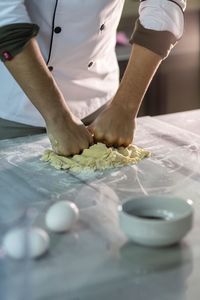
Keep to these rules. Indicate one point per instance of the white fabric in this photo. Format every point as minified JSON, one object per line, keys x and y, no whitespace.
{"x":80,"y":42}
{"x":163,"y":15}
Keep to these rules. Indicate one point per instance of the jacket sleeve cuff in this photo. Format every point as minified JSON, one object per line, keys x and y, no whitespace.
{"x":14,"y":37}
{"x":160,"y":42}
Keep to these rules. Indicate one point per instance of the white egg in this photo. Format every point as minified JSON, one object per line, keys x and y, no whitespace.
{"x":22,"y":242}
{"x":61,"y":216}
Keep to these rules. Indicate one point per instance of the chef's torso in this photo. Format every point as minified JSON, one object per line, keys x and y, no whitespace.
{"x":77,"y":39}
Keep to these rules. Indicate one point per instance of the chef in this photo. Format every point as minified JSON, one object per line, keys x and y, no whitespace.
{"x":59,"y":69}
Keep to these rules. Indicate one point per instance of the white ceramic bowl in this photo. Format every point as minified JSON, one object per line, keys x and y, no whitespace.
{"x":156,"y":220}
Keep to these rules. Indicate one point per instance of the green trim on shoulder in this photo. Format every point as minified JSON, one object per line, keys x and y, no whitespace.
{"x":14,"y":37}
{"x":160,"y":42}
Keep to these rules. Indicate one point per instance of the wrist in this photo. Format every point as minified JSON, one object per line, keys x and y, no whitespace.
{"x":126,"y":105}
{"x":57,"y":116}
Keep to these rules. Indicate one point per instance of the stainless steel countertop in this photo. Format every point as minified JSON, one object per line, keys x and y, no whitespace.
{"x":95,"y":260}
{"x":187,"y":120}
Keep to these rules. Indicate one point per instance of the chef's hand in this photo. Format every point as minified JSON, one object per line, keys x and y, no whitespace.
{"x":114,"y":126}
{"x":68,"y":135}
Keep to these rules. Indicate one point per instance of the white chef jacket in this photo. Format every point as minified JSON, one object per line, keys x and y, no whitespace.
{"x":77,"y":40}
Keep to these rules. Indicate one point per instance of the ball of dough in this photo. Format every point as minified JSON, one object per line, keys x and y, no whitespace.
{"x":21,"y":242}
{"x":61,"y":216}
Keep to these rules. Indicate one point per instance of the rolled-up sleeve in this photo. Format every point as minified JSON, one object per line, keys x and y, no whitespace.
{"x":160,"y":25}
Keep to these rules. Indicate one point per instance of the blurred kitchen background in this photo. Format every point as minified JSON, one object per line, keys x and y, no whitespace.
{"x":176,"y":86}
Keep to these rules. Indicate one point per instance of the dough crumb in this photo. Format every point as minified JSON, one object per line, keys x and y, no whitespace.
{"x":97,"y":157}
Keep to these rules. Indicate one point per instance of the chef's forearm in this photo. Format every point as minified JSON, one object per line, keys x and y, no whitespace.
{"x":153,"y":38}
{"x":141,"y":68}
{"x":30,"y":71}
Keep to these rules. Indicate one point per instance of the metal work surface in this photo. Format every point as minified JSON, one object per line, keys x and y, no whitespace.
{"x":95,"y":260}
{"x":187,"y":120}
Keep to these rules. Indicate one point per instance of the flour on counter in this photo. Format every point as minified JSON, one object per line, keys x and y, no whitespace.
{"x":97,"y":157}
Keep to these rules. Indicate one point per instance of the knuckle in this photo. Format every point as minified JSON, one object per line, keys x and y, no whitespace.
{"x":110,"y":139}
{"x":98,"y":136}
{"x":91,"y":141}
{"x":121,"y":141}
{"x":91,"y":129}
{"x":127,"y":142}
